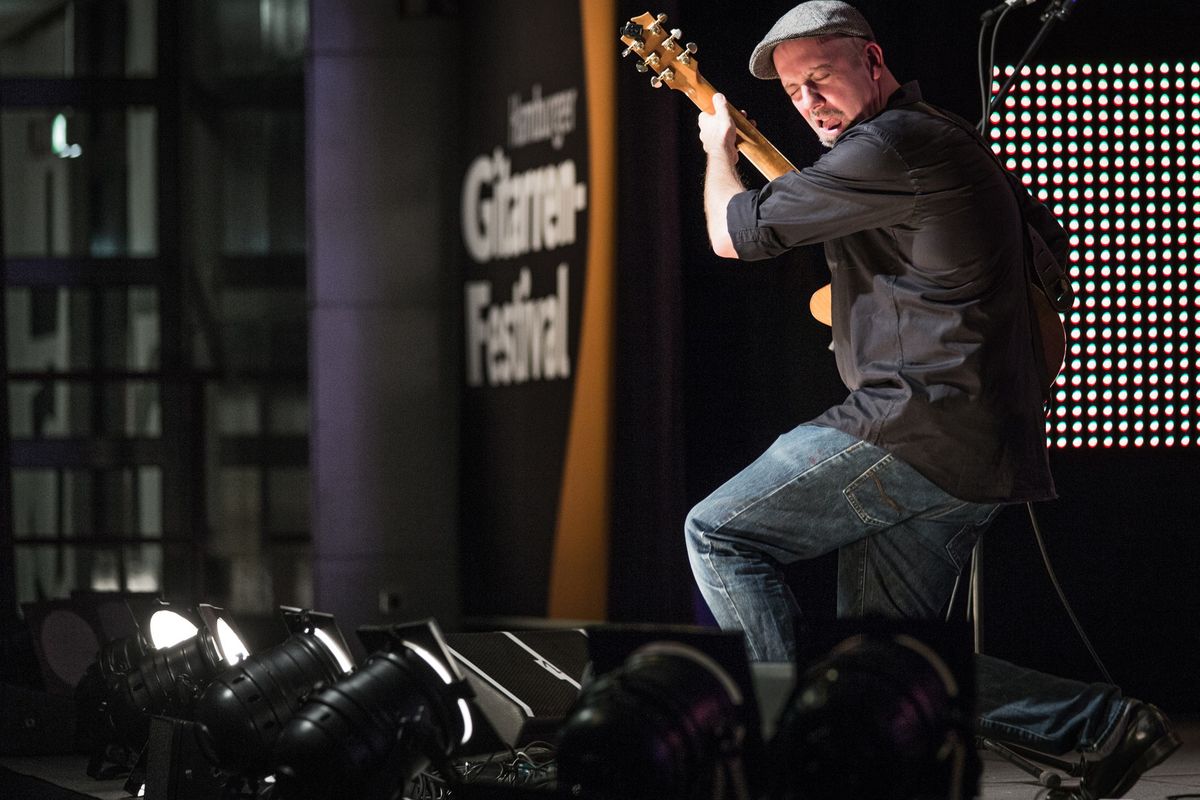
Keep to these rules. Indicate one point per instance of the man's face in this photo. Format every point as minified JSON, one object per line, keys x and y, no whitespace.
{"x":833,"y":82}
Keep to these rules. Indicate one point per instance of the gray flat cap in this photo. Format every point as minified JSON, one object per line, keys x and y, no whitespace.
{"x":814,"y":18}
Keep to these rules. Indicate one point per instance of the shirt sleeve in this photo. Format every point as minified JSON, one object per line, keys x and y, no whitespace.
{"x":861,"y":183}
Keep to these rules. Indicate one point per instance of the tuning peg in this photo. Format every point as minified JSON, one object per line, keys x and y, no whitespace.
{"x":633,"y":48}
{"x":656,"y":27}
{"x":641,"y":66}
{"x":686,"y":56}
{"x":658,"y":80}
{"x":691,"y":47}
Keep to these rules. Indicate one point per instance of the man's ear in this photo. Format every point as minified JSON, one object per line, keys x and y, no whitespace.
{"x":874,"y":57}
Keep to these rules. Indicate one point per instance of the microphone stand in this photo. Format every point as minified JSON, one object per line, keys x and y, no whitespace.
{"x":1059,"y":10}
{"x":1050,"y":771}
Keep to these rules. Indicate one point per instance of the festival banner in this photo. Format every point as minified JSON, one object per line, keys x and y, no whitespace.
{"x":538,"y":195}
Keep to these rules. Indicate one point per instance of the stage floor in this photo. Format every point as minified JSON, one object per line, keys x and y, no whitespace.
{"x":1178,"y":777}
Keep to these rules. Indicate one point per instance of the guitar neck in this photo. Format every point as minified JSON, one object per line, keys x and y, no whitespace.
{"x":750,"y":141}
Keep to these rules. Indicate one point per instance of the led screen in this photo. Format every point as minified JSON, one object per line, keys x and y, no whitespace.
{"x":1114,"y":150}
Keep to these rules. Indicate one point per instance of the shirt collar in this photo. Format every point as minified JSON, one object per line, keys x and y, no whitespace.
{"x":906,"y":95}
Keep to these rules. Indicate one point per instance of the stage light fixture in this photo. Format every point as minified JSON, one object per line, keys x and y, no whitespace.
{"x":666,"y":725}
{"x":167,"y":681}
{"x":243,"y":710}
{"x":881,"y":716}
{"x":113,"y":718}
{"x":370,"y":733}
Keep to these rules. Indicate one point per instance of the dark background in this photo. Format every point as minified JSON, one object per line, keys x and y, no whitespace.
{"x":717,"y":358}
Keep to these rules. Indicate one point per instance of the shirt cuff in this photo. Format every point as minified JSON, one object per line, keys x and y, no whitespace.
{"x":741,"y":218}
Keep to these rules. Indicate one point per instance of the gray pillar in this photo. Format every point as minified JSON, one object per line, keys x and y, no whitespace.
{"x":384,"y":291}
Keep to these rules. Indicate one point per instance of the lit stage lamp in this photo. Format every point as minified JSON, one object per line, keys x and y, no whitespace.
{"x":370,"y":733}
{"x":109,"y":717}
{"x":666,"y":725}
{"x":881,"y":716}
{"x":167,"y":681}
{"x":158,"y":627}
{"x":243,"y":710}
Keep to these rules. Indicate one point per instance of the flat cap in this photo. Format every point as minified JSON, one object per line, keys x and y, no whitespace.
{"x":814,"y":18}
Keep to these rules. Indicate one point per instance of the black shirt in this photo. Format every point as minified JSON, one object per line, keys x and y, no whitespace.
{"x":932,"y":327}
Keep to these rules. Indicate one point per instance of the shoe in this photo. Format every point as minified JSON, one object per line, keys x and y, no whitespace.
{"x":1143,"y":739}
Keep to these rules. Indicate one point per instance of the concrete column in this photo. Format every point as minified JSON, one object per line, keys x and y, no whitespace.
{"x":382,"y":120}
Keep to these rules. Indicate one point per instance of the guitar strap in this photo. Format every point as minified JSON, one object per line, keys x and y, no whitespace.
{"x":1047,"y":245}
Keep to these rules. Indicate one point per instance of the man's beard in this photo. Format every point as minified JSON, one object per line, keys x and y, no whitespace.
{"x":826,"y":136}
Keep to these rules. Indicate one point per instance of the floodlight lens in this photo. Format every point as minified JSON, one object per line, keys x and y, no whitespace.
{"x":444,"y":674}
{"x":429,"y":659}
{"x":169,"y":628}
{"x":232,"y":648}
{"x":343,"y":658}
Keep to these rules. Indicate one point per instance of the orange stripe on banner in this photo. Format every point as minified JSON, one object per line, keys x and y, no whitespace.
{"x":579,"y":569}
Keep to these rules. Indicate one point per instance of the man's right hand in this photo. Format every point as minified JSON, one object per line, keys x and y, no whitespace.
{"x":721,"y":181}
{"x":717,"y":132}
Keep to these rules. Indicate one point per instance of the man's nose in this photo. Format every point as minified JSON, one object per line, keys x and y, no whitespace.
{"x":809,"y":97}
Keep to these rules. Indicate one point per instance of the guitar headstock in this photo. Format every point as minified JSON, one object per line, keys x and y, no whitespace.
{"x":660,"y":51}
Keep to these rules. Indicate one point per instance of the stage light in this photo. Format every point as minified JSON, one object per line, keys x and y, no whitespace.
{"x":665,"y":725}
{"x":370,"y":733}
{"x":169,"y":627}
{"x":882,"y":716}
{"x":243,"y":710}
{"x":168,"y":681}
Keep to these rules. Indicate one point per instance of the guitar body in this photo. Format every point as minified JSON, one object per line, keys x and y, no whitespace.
{"x":1053,"y":338}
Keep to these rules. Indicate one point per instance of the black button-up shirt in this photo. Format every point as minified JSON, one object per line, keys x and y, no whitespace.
{"x":932,"y":327}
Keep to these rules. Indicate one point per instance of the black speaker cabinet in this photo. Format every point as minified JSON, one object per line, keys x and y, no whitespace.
{"x":525,"y":682}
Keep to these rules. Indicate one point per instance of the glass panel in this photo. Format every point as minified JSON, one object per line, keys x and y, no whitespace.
{"x":48,"y":503}
{"x":79,"y":182}
{"x":51,"y":330}
{"x":291,"y":567}
{"x":149,"y":501}
{"x":39,"y":329}
{"x":288,"y":411}
{"x":143,"y":568}
{"x":237,"y":409}
{"x":131,"y":501}
{"x":263,"y":182}
{"x":44,"y":38}
{"x":250,"y":37}
{"x":265,"y":329}
{"x":64,"y":410}
{"x":54,"y":571}
{"x":130,"y":325}
{"x":237,"y":508}
{"x":132,"y":409}
{"x":44,"y":572}
{"x":49,"y":410}
{"x":287,"y":498}
{"x":36,"y":510}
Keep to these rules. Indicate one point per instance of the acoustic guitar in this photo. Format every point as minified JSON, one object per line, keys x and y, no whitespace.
{"x":674,"y":64}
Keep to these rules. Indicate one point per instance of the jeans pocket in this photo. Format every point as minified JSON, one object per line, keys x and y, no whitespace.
{"x":961,"y":545}
{"x":890,"y":492}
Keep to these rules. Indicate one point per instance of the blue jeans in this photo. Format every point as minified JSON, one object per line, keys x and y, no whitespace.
{"x":901,"y":543}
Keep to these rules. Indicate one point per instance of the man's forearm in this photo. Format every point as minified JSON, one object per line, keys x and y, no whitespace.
{"x":721,"y":183}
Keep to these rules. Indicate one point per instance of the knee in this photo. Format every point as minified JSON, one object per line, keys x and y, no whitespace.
{"x":697,"y":526}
